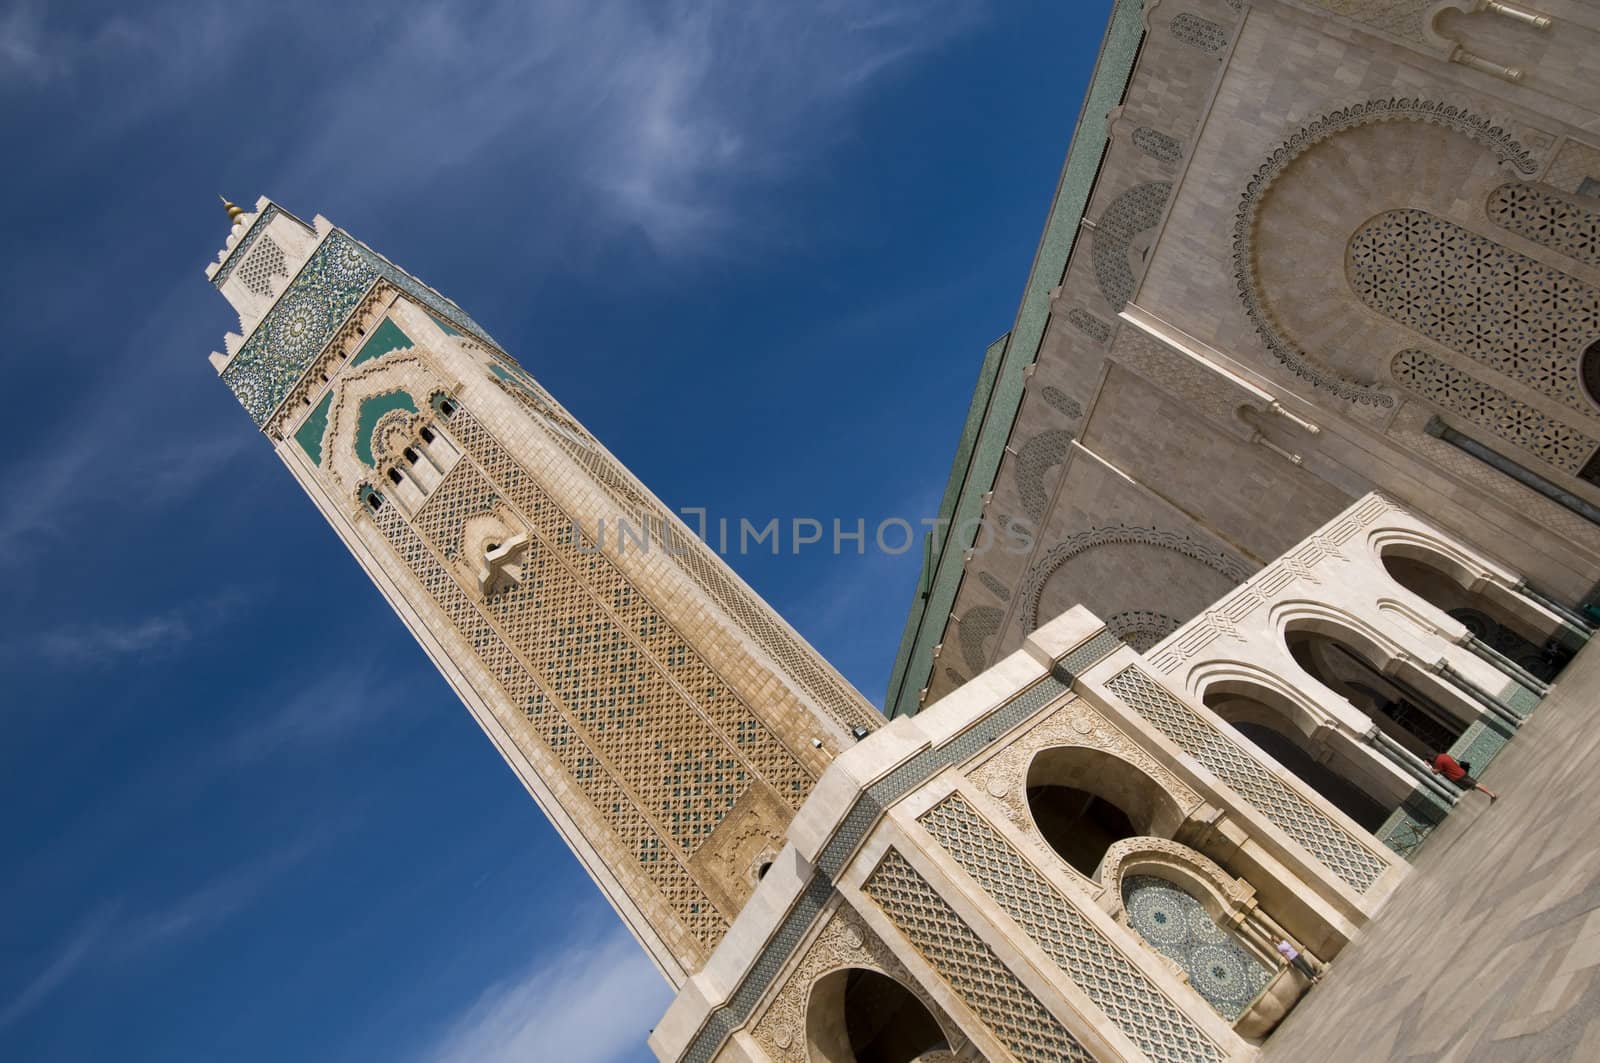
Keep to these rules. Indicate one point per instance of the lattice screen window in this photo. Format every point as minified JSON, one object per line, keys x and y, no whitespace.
{"x":659,"y":861}
{"x":620,"y":621}
{"x":1475,"y":296}
{"x":988,"y":987}
{"x":1487,"y":406}
{"x":1199,"y":33}
{"x":1152,"y":1021}
{"x":696,"y":559}
{"x":1330,"y":843}
{"x":266,"y":261}
{"x":1157,"y":144}
{"x":1547,"y":219}
{"x":1131,"y":213}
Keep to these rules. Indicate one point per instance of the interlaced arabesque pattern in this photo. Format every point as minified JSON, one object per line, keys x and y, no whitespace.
{"x":1484,"y":404}
{"x":1061,"y":402}
{"x":1141,"y":628}
{"x":1547,"y":219}
{"x":1131,"y":213}
{"x":1154,"y":1023}
{"x":706,"y":569}
{"x":1089,"y":325}
{"x":1403,"y":18}
{"x":977,"y":626}
{"x":627,"y":710}
{"x":266,"y":261}
{"x":1475,"y":296}
{"x":995,"y":587}
{"x":1035,"y":459}
{"x":1294,"y":815}
{"x":1199,"y":33}
{"x":659,"y":860}
{"x":1157,"y":144}
{"x":998,"y":998}
{"x":308,"y":315}
{"x":614,"y":621}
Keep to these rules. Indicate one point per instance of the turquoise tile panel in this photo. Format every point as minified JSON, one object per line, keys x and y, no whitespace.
{"x":385,"y":339}
{"x":310,"y":434}
{"x":372,"y":408}
{"x":311,"y":309}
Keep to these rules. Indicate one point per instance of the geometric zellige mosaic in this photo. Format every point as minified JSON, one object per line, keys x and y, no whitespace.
{"x":1547,"y":219}
{"x":1335,"y":847}
{"x":1157,"y":1025}
{"x":1474,"y":295}
{"x":1006,"y":1006}
{"x":1484,"y":404}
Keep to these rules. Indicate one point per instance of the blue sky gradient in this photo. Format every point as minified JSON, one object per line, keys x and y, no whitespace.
{"x":757,"y":248}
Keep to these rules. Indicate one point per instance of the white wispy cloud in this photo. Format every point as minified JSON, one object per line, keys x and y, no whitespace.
{"x":621,"y":119}
{"x":63,"y":964}
{"x":592,"y":1002}
{"x":93,"y":643}
{"x":218,"y":899}
{"x":336,"y":703}
{"x":106,"y":936}
{"x":25,"y":53}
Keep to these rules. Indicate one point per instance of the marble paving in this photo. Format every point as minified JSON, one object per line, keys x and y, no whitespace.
{"x":1492,"y":950}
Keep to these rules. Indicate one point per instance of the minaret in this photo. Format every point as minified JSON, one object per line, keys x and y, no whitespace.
{"x":667,"y":721}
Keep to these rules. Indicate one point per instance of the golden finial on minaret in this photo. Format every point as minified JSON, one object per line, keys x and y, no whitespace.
{"x":233,"y":209}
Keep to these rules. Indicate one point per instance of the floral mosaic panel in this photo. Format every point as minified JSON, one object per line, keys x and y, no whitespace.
{"x":308,"y":313}
{"x":1175,"y":924}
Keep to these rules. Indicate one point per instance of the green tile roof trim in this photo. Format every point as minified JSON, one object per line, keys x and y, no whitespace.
{"x":444,"y":326}
{"x":999,"y":392}
{"x":372,"y":408}
{"x":311,"y":309}
{"x":310,"y":434}
{"x":385,"y":339}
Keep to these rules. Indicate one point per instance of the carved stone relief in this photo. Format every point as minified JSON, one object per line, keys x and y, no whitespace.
{"x":1004,"y":776}
{"x":844,"y":942}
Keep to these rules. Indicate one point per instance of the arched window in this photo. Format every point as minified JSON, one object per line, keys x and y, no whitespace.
{"x":865,"y":1016}
{"x":1486,"y":617}
{"x":427,"y":435}
{"x":1258,"y":716}
{"x":394,"y":476}
{"x":1400,"y":710}
{"x":411,"y":456}
{"x":1084,"y":801}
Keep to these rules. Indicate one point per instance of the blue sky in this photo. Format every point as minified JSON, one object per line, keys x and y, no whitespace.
{"x":757,"y":247}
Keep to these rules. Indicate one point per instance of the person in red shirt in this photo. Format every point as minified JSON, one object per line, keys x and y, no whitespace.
{"x":1446,"y":765}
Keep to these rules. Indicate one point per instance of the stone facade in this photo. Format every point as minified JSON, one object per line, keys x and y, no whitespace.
{"x":1085,"y":853}
{"x":1300,"y":416}
{"x":667,"y":721}
{"x":1328,"y":248}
